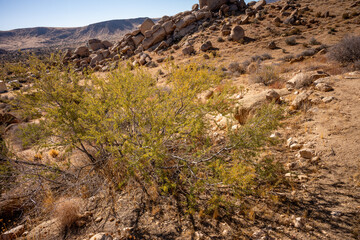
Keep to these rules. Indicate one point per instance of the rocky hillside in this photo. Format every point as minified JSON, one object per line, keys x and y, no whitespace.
{"x":40,"y":37}
{"x":303,"y":184}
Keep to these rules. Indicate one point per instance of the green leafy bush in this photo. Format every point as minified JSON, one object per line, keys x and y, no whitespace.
{"x":135,"y":131}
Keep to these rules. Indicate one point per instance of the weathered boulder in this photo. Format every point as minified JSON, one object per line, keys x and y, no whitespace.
{"x":212,"y":4}
{"x":206,"y":46}
{"x":259,"y":5}
{"x":156,"y":37}
{"x":107,"y":44}
{"x":186,"y":21}
{"x":324,"y":87}
{"x":301,"y":80}
{"x":146,"y":25}
{"x":244,"y":19}
{"x":300,"y":100}
{"x":237,"y":33}
{"x":95,"y":44}
{"x":169,"y":27}
{"x":82,"y":51}
{"x":195,"y":7}
{"x":248,"y":105}
{"x":95,"y":58}
{"x":137,"y":39}
{"x":202,"y":15}
{"x":183,"y":32}
{"x":3,"y":87}
{"x":188,"y":50}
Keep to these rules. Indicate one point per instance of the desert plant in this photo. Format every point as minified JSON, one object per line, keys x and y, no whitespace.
{"x":67,"y":211}
{"x":291,"y":41}
{"x":265,"y":75}
{"x":134,"y":132}
{"x":313,"y":41}
{"x":347,"y":50}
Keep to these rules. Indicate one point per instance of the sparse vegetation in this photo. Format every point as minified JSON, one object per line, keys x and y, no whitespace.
{"x":291,"y":41}
{"x":266,"y":75}
{"x":67,"y":211}
{"x":347,"y":50}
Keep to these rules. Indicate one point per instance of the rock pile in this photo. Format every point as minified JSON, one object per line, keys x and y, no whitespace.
{"x":157,"y":36}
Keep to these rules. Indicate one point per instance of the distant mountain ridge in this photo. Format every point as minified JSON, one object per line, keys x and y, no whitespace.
{"x":40,"y":37}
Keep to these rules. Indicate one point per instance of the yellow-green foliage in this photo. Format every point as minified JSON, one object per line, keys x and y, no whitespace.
{"x":133,"y":129}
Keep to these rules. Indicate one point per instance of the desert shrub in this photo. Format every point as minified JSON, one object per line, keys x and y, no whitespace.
{"x":307,"y":53}
{"x":67,"y":211}
{"x":134,"y":132}
{"x":265,"y":75}
{"x":291,"y":41}
{"x":313,"y":41}
{"x":347,"y":50}
{"x":266,"y":56}
{"x":346,"y":15}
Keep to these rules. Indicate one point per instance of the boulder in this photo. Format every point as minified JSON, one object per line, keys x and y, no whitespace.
{"x":146,"y":25}
{"x":248,"y":105}
{"x":107,"y":44}
{"x":137,"y":39}
{"x":156,"y":37}
{"x":95,"y":44}
{"x":169,"y":27}
{"x":206,"y":46}
{"x":226,"y":30}
{"x":161,"y":46}
{"x":195,"y":7}
{"x":202,"y":15}
{"x":183,"y":32}
{"x":212,"y":4}
{"x":186,"y":21}
{"x":95,"y":58}
{"x":188,"y":50}
{"x":259,"y":5}
{"x":324,"y":87}
{"x":3,"y":87}
{"x":272,"y":96}
{"x":300,"y":100}
{"x":82,"y":51}
{"x":237,"y":33}
{"x":244,"y":20}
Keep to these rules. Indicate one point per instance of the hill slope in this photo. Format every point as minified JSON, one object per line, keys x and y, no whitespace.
{"x":46,"y":37}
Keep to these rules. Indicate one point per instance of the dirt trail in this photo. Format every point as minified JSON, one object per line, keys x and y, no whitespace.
{"x":332,"y":201}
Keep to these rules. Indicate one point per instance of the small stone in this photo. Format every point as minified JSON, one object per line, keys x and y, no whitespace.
{"x":99,"y":219}
{"x":272,"y":96}
{"x":206,"y":46}
{"x":302,"y":177}
{"x":102,"y":236}
{"x":306,"y":153}
{"x":296,"y":146}
{"x":336,"y":214}
{"x":328,"y":99}
{"x":323,"y":87}
{"x":298,"y":222}
{"x":208,"y":94}
{"x":290,"y":175}
{"x":272,"y":45}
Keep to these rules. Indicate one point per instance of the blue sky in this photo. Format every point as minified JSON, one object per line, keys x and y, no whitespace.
{"x":75,"y":13}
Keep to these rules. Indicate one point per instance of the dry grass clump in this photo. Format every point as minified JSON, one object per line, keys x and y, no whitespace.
{"x":347,"y":50}
{"x":68,"y":211}
{"x":291,"y":41}
{"x":266,"y":75}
